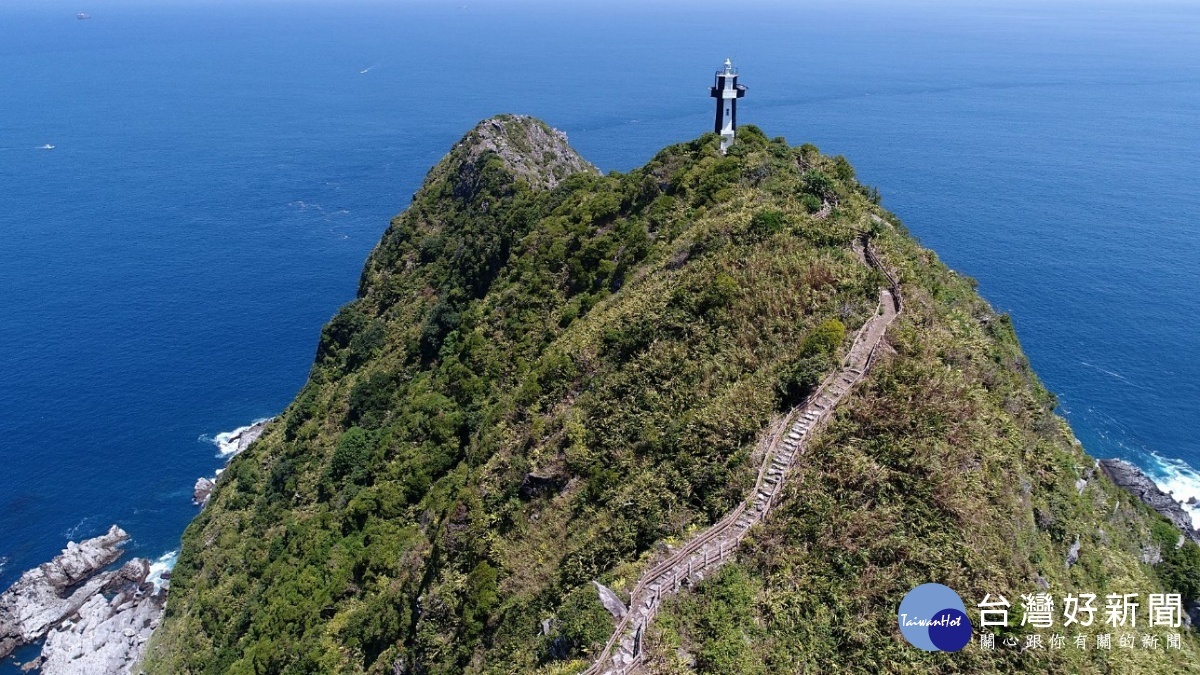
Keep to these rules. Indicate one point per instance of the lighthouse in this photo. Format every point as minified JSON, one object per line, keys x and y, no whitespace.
{"x":727,"y":91}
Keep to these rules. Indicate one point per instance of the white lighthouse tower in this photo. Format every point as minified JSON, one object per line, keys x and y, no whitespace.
{"x":727,"y":91}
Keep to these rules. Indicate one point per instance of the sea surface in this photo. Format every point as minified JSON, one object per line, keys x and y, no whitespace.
{"x":220,"y":171}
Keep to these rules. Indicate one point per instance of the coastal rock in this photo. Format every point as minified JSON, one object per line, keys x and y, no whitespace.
{"x":107,"y":635}
{"x":202,"y":491}
{"x":242,"y":438}
{"x":231,"y":445}
{"x":46,"y":595}
{"x":1137,"y":483}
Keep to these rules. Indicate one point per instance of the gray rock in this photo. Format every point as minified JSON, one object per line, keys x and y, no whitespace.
{"x":1137,"y":483}
{"x":1080,"y":485}
{"x":246,"y":436}
{"x":1073,"y":554}
{"x":93,"y":620}
{"x":611,"y":602}
{"x":46,"y":595}
{"x":1151,"y":555}
{"x":235,"y":445}
{"x":202,"y":491}
{"x":531,"y":149}
{"x":107,"y":635}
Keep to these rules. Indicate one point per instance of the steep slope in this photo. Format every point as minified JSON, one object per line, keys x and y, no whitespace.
{"x":548,"y":373}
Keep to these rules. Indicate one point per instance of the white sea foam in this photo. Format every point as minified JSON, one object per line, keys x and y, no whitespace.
{"x":165,"y":563}
{"x":1181,"y":480}
{"x":228,"y":442}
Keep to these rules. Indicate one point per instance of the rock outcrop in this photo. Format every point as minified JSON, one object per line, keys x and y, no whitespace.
{"x":46,"y":595}
{"x":202,"y":491}
{"x":242,"y":438}
{"x":107,"y":635}
{"x":1137,"y":483}
{"x":533,"y":150}
{"x":231,"y":445}
{"x":611,"y":601}
{"x":94,"y":620}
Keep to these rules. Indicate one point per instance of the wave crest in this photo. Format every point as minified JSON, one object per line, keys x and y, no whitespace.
{"x":1181,"y":480}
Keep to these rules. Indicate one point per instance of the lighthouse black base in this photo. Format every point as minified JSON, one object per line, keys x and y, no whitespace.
{"x":727,"y":91}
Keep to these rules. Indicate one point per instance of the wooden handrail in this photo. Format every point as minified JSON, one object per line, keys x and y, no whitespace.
{"x":723,"y":526}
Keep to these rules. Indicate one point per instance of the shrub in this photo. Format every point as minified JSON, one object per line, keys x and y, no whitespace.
{"x":718,"y":294}
{"x":481,"y":598}
{"x":371,"y":400}
{"x":341,"y":329}
{"x":366,"y":343}
{"x":824,"y":339}
{"x":799,"y":379}
{"x":352,"y":454}
{"x":1180,"y":567}
{"x":818,"y":183}
{"x":767,"y":222}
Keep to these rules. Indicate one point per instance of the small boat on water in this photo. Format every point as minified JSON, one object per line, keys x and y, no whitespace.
{"x":81,"y":16}
{"x":46,"y":147}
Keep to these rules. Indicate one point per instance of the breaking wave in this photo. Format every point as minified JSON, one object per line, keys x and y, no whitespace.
{"x":1181,"y":480}
{"x":165,"y":563}
{"x":227,"y":442}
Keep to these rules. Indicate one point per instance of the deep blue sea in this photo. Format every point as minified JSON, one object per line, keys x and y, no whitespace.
{"x":220,"y":171}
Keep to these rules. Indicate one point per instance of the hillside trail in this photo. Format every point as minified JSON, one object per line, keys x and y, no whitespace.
{"x":710,"y":549}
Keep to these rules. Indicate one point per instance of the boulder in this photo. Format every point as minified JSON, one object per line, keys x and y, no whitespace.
{"x":1151,"y":554}
{"x":610,"y":600}
{"x":202,"y":491}
{"x":1073,"y":554}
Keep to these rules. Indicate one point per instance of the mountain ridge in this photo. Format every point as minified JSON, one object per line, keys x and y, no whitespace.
{"x":550,"y":373}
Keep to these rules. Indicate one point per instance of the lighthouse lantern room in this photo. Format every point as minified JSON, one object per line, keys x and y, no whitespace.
{"x":727,"y":91}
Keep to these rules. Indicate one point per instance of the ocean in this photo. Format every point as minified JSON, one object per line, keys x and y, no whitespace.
{"x":220,"y":171}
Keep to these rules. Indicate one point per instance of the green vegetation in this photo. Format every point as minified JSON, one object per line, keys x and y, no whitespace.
{"x":549,"y":372}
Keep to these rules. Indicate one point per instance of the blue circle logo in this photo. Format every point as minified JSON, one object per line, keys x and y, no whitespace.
{"x":932,"y":617}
